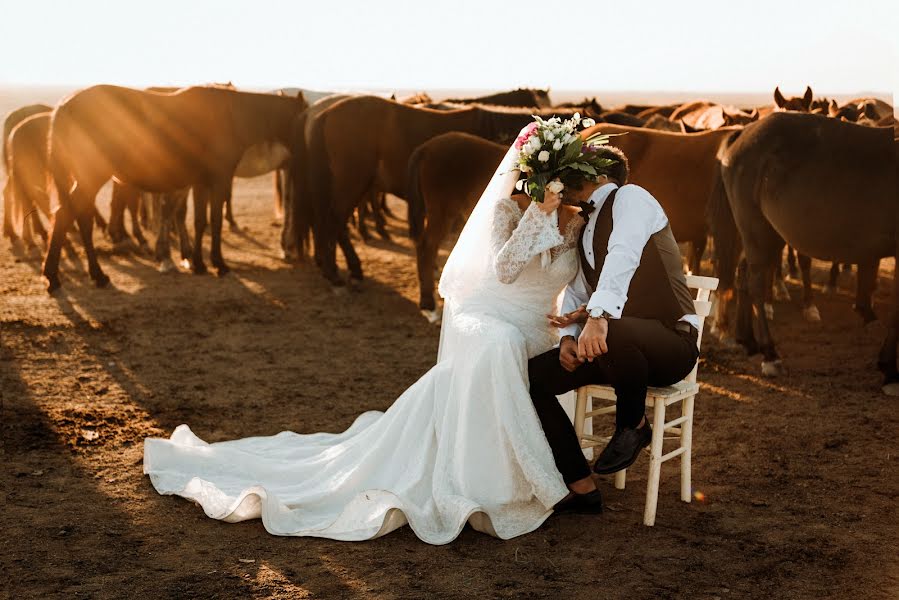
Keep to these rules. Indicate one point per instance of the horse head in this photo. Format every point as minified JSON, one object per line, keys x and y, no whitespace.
{"x":796,"y":103}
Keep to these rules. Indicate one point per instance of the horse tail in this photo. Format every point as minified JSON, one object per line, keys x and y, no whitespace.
{"x":414,"y":195}
{"x":315,"y":179}
{"x":722,"y":226}
{"x":57,"y":173}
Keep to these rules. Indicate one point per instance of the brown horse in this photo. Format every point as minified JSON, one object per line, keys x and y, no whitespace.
{"x":26,"y":164}
{"x":663,"y":110}
{"x":159,"y":143}
{"x":362,"y":146}
{"x":9,"y":123}
{"x":702,"y":115}
{"x":616,"y":117}
{"x":789,"y":166}
{"x":520,"y":97}
{"x":297,"y":226}
{"x":657,"y":121}
{"x":446,"y":177}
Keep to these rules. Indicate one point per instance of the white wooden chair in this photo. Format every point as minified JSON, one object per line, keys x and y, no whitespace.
{"x":680,"y":428}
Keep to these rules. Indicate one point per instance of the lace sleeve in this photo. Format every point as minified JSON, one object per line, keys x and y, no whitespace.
{"x":517,"y":237}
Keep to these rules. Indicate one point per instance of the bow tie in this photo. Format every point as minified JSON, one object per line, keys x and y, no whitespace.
{"x":586,"y":209}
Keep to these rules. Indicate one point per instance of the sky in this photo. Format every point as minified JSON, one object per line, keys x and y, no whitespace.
{"x":689,"y":45}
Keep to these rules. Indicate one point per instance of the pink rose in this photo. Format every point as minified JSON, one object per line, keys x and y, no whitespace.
{"x":525,"y":135}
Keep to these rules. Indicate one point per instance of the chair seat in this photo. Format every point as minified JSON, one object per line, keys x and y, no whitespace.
{"x":669,"y":394}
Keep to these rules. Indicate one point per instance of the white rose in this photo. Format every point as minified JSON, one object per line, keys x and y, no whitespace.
{"x":543,"y":156}
{"x":568,"y":137}
{"x":557,"y":145}
{"x":588,"y":122}
{"x":555,"y":186}
{"x":549,"y":135}
{"x":534,"y":144}
{"x":576,"y":117}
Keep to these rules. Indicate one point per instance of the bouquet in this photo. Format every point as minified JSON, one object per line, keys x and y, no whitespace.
{"x":553,"y":149}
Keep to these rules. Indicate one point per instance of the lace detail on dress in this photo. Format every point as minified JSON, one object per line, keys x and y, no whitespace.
{"x":520,"y":236}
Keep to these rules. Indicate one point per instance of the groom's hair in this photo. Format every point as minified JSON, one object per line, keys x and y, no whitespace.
{"x":620,"y":170}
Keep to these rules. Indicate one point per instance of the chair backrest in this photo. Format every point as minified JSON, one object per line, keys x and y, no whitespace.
{"x":703,"y":306}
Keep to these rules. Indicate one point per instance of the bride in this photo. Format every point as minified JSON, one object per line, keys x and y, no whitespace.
{"x":462,"y":445}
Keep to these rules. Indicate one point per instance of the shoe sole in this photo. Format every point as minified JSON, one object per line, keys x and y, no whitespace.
{"x":627,"y":466}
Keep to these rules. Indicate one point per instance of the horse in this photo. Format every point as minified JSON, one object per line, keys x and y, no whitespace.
{"x":25,"y":155}
{"x":298,"y":205}
{"x":362,"y":146}
{"x":797,"y":103}
{"x":788,"y":166}
{"x":860,"y":108}
{"x":519,"y":97}
{"x":447,"y":174}
{"x":9,"y":123}
{"x":657,"y":121}
{"x":621,"y":118}
{"x":663,"y":110}
{"x":160,"y":143}
{"x":702,"y":115}
{"x":25,"y":193}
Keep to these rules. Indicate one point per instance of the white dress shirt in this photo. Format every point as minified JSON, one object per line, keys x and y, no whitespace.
{"x":636,"y":216}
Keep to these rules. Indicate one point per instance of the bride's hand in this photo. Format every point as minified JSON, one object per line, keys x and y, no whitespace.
{"x":576,"y":316}
{"x":551,"y":201}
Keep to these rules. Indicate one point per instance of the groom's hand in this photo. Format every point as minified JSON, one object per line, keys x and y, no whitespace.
{"x":592,"y":342}
{"x":568,"y":354}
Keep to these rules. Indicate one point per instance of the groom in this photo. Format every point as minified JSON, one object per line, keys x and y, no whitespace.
{"x":629,"y":322}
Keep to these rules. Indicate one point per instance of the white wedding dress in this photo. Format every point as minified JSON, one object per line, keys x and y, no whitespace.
{"x":462,"y":445}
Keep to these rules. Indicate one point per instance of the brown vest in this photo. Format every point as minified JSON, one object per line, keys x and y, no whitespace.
{"x":658,"y":289}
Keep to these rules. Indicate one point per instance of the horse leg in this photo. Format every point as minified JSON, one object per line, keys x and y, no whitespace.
{"x":279,"y":193}
{"x":59,"y":227}
{"x":386,"y":209}
{"x":362,"y":219}
{"x":426,"y":249}
{"x":163,"y":254}
{"x":179,"y":202}
{"x":8,"y":230}
{"x":832,"y":279}
{"x":85,"y":218}
{"x":221,"y":196}
{"x":865,"y":286}
{"x":116,"y":229}
{"x":779,"y":287}
{"x":229,"y":215}
{"x":809,"y":310}
{"x":791,"y":264}
{"x":201,"y":199}
{"x":354,"y":265}
{"x":886,"y":359}
{"x":759,"y":276}
{"x":377,"y":209}
{"x":745,"y":336}
{"x":134,"y":206}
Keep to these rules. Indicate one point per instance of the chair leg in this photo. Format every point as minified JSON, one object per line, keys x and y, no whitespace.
{"x":620,"y":479}
{"x":580,"y":409}
{"x":686,"y":487}
{"x":655,"y":464}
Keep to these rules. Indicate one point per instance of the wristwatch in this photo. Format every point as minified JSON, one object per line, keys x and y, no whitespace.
{"x":597,"y":313}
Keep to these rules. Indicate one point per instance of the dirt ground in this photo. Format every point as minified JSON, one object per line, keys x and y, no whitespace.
{"x":798,"y":474}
